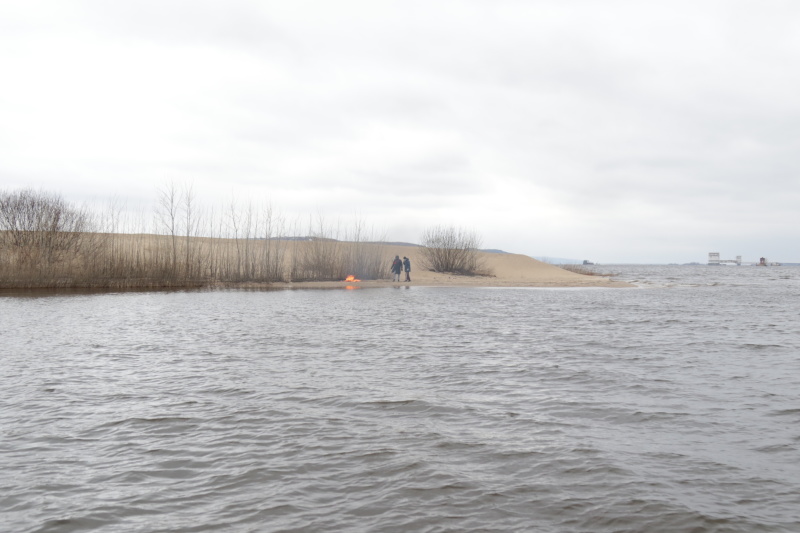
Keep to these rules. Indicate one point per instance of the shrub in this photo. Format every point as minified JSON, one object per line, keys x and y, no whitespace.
{"x":41,"y":228}
{"x":451,"y":249}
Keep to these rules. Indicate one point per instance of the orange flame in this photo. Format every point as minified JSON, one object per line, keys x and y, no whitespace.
{"x":351,"y":278}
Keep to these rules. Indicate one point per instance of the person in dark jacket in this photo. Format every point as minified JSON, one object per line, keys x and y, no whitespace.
{"x":397,"y":267}
{"x":407,"y":267}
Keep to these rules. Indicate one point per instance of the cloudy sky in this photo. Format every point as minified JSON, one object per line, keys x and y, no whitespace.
{"x":616,"y":131}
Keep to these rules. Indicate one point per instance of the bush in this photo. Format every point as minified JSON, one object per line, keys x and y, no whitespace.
{"x":41,"y":228}
{"x":451,"y":249}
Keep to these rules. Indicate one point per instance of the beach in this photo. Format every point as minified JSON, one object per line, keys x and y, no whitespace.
{"x":501,"y":270}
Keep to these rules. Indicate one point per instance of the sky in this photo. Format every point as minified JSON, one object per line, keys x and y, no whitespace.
{"x":619,"y":131}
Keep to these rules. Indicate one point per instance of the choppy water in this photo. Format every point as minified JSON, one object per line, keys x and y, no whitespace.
{"x":672,"y":407}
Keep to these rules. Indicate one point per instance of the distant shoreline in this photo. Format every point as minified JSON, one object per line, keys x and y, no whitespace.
{"x":442,"y":281}
{"x":116,"y":262}
{"x":455,"y":283}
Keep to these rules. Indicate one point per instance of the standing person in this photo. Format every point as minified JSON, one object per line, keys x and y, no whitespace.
{"x":407,"y":267}
{"x":397,"y":267}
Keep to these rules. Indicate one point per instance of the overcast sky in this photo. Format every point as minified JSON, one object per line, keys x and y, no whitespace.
{"x":615,"y":131}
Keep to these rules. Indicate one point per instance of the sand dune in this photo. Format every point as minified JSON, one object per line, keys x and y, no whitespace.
{"x":504,"y":270}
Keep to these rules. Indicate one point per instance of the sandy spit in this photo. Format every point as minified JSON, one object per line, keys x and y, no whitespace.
{"x":503,"y":270}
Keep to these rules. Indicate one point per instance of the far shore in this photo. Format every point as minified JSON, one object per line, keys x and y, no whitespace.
{"x":151,"y":262}
{"x":47,"y":244}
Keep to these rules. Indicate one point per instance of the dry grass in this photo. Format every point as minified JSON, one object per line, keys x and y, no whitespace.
{"x":149,"y":261}
{"x":45,"y":242}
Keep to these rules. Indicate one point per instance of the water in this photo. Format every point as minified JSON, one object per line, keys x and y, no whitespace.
{"x":671,"y":407}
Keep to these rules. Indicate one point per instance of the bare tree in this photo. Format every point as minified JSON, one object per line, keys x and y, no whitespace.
{"x":274,"y":250}
{"x":113,"y":229}
{"x":234,"y":221}
{"x":451,"y":249}
{"x":168,"y":213}
{"x":191,"y":228}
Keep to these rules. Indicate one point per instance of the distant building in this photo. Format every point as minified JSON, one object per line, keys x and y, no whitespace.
{"x":713,"y":259}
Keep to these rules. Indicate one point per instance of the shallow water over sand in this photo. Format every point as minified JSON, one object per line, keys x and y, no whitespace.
{"x":673,"y":407}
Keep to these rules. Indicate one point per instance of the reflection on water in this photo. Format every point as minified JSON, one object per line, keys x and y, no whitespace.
{"x":674,"y":407}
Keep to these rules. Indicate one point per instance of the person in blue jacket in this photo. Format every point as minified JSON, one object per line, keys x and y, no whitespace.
{"x":407,"y":267}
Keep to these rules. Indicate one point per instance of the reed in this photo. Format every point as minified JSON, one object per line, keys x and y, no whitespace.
{"x":332,"y":253}
{"x":45,"y":242}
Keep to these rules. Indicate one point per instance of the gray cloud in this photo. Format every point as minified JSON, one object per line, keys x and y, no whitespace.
{"x":622,"y":130}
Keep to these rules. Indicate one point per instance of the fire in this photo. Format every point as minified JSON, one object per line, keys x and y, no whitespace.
{"x":351,"y":278}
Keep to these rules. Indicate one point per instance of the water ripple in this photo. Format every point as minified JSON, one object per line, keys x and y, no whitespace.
{"x":669,"y":408}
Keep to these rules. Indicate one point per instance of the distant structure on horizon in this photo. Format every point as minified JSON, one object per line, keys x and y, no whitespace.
{"x":713,"y":259}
